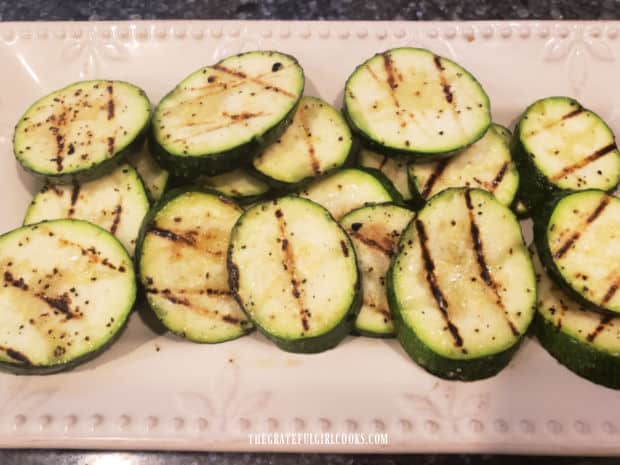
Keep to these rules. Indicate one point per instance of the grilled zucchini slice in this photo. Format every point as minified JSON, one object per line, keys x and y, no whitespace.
{"x":462,"y":287}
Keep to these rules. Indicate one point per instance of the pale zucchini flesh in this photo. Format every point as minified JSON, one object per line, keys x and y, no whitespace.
{"x":182,"y":266}
{"x":294,"y":271}
{"x":375,"y":231}
{"x":317,"y":142}
{"x":394,"y":167}
{"x":413,"y":102}
{"x":350,"y":188}
{"x":487,"y":164}
{"x":238,"y":184}
{"x":116,"y":201}
{"x":578,"y":242}
{"x":81,"y":129}
{"x":67,"y":288}
{"x":462,"y":288}
{"x":154,"y":177}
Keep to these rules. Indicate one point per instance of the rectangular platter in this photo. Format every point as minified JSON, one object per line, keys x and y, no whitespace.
{"x":153,"y":391}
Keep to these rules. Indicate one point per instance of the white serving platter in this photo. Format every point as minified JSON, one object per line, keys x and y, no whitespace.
{"x":152,"y":391}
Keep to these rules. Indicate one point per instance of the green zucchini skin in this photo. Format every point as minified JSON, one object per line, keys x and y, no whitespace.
{"x":597,"y":366}
{"x":397,"y":197}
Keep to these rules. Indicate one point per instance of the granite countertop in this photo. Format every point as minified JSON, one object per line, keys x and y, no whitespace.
{"x":82,"y":10}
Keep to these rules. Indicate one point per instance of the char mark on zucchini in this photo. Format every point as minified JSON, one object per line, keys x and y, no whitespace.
{"x":314,"y":163}
{"x":499,"y":176}
{"x":385,"y":250}
{"x":587,"y":160}
{"x":75,"y":195}
{"x":432,"y":179}
{"x":256,"y":79}
{"x":447,"y":91}
{"x":118,"y":210}
{"x":605,"y":320}
{"x":173,"y":236}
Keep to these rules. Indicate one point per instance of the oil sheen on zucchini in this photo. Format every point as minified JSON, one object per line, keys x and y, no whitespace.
{"x":462,"y":287}
{"x":374,"y":231}
{"x":116,"y":201}
{"x":586,"y":342}
{"x":412,"y":102}
{"x":293,"y":270}
{"x":67,"y":289}
{"x":82,"y":129}
{"x":225,"y":114}
{"x":560,"y":146}
{"x":577,"y":240}
{"x":486,"y":164}
{"x":182,"y":266}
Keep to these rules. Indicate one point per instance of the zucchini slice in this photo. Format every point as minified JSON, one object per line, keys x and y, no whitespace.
{"x":351,"y":188}
{"x":67,"y":289}
{"x":577,"y":239}
{"x":82,"y":129}
{"x":409,"y":101}
{"x":154,"y":177}
{"x":294,"y":272}
{"x":586,"y":342}
{"x":462,"y":288}
{"x":487,"y":165}
{"x":374,"y":231}
{"x":225,"y":114}
{"x":393,"y":167}
{"x":238,"y":184}
{"x":182,"y":266}
{"x":317,"y":142}
{"x":560,"y":146}
{"x":117,"y":202}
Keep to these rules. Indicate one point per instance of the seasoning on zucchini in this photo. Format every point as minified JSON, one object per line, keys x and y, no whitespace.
{"x":393,"y":167}
{"x":223,"y":115}
{"x":409,"y":101}
{"x":560,"y":146}
{"x":117,"y":202}
{"x":462,"y":288}
{"x":154,"y":177}
{"x":487,"y":164}
{"x":586,"y":342}
{"x":293,"y":270}
{"x":182,"y":266}
{"x":238,"y":184}
{"x":351,"y":188}
{"x":82,"y":129}
{"x":577,"y":239}
{"x":67,"y":289}
{"x":374,"y":231}
{"x":317,"y":142}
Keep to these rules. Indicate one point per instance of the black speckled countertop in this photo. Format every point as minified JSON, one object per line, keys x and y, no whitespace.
{"x":83,"y":10}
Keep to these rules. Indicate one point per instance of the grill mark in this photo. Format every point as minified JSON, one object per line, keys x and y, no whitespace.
{"x":577,"y":234}
{"x":117,"y":218}
{"x":289,"y":266}
{"x":231,"y":319}
{"x":235,"y":118}
{"x":255,"y":79}
{"x":432,"y":179}
{"x":605,"y":319}
{"x":314,"y":162}
{"x":499,"y":176}
{"x":610,"y":293}
{"x":387,"y":251}
{"x":383,"y":162}
{"x":110,"y":101}
{"x":563,"y":308}
{"x":91,"y":252}
{"x":395,"y":101}
{"x":431,"y":279}
{"x":172,"y":236}
{"x":485,"y":273}
{"x":568,"y":115}
{"x":16,"y":355}
{"x":382,"y":310}
{"x":75,"y":195}
{"x":111,"y":142}
{"x":60,"y":145}
{"x":586,"y":161}
{"x":388,"y":64}
{"x":345,"y":249}
{"x":447,"y":91}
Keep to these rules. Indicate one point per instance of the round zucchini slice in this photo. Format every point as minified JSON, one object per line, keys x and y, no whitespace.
{"x":393,"y":167}
{"x":409,"y":101}
{"x":462,"y":288}
{"x":117,"y":202}
{"x":67,"y":289}
{"x":486,"y":164}
{"x":239,"y":184}
{"x":577,"y":238}
{"x":223,"y":115}
{"x":182,"y":266}
{"x":586,"y":342}
{"x":81,"y":130}
{"x":374,"y":231}
{"x":351,"y":188}
{"x":560,"y":146}
{"x":294,"y":272}
{"x":154,"y":177}
{"x":317,"y":142}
